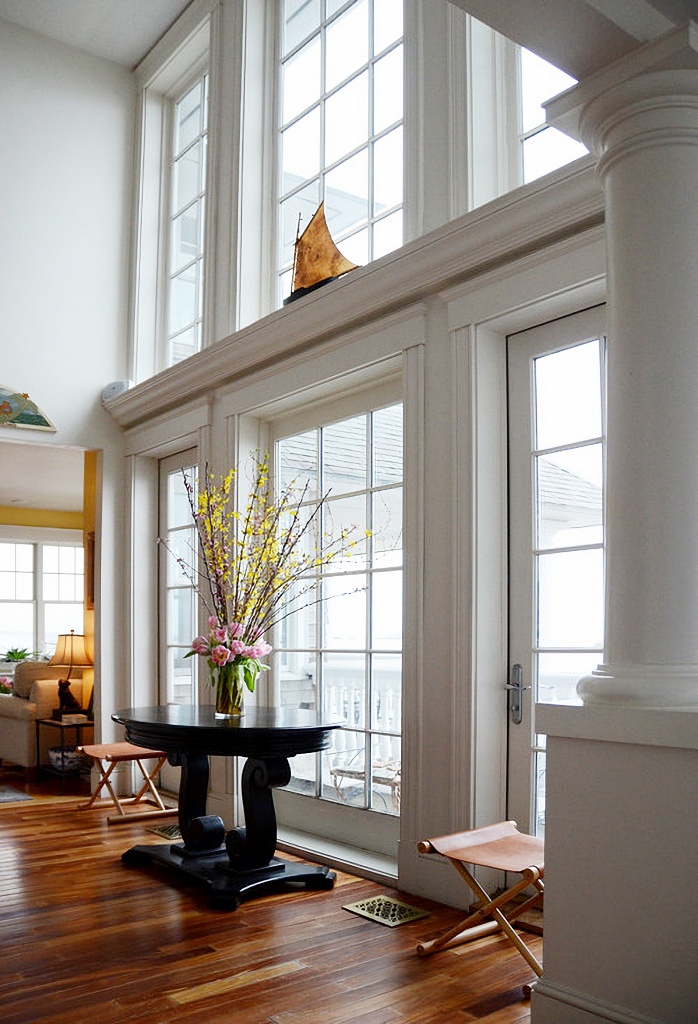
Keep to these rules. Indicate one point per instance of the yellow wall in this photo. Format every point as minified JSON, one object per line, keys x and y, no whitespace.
{"x":10,"y":516}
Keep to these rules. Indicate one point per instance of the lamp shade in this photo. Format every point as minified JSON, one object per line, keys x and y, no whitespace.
{"x":70,"y":650}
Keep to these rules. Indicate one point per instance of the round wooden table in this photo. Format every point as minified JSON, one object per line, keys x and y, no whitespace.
{"x":240,"y":863}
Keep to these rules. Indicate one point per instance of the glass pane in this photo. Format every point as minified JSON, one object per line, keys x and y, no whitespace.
{"x":344,"y":612}
{"x":344,"y":686}
{"x":7,"y":557}
{"x":387,"y":234}
{"x":568,"y":396}
{"x":344,"y":456}
{"x":301,"y":80}
{"x":188,"y":117}
{"x":387,"y":23}
{"x":387,"y":172}
{"x":570,"y":497}
{"x":547,"y":150}
{"x":61,"y":618}
{"x":180,"y":616}
{"x":296,"y":212}
{"x":303,"y":774}
{"x":386,"y":692}
{"x":181,"y":676}
{"x":185,"y":344}
{"x":386,"y":528}
{"x":355,"y":247}
{"x":188,"y":171}
{"x":346,"y":44}
{"x":181,"y":545}
{"x":50,"y":558}
{"x":540,"y":81}
{"x":347,"y":772}
{"x":24,"y":558}
{"x":178,"y":509}
{"x":386,"y":611}
{"x":300,"y":18}
{"x":347,"y":515}
{"x":301,"y":150}
{"x":7,"y":586}
{"x":558,"y":675}
{"x":297,"y":460}
{"x":24,"y":586}
{"x":184,"y":301}
{"x":346,"y":119}
{"x":387,"y":445}
{"x":387,"y":90}
{"x":386,"y":777}
{"x":16,"y":626}
{"x":346,"y":194}
{"x":570,"y":599}
{"x":539,"y":799}
{"x":187,"y":235}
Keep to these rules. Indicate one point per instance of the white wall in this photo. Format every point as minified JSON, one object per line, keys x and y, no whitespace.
{"x":66,"y":125}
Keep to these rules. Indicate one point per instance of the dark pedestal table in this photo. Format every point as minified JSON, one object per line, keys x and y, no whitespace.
{"x":241,"y":863}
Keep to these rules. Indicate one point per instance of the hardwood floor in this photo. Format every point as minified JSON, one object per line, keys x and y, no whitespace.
{"x":85,"y":939}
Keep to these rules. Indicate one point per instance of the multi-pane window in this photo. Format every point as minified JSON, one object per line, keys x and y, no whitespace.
{"x":179,"y":603}
{"x":341,"y":136}
{"x":343,"y":653}
{"x":186,"y":222}
{"x":543,"y":148}
{"x":41,"y":594}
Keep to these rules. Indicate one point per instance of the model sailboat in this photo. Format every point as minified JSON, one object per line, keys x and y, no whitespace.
{"x":316,"y":259}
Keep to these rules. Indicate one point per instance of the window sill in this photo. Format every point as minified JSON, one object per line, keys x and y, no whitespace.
{"x":374,"y":866}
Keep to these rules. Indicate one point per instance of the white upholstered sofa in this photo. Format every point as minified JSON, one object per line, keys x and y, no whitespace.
{"x":34,"y":695}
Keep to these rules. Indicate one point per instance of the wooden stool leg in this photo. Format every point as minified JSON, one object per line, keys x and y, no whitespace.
{"x":148,"y":784}
{"x":104,"y":781}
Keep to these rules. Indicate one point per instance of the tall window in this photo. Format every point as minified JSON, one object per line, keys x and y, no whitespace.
{"x":342,"y":125}
{"x":543,"y":148}
{"x":186,"y":222}
{"x":41,"y":594}
{"x":178,"y":600}
{"x":343,"y":654}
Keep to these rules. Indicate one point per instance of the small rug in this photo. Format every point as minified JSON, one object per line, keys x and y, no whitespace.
{"x":386,"y":910}
{"x":10,"y":795}
{"x":166,"y":831}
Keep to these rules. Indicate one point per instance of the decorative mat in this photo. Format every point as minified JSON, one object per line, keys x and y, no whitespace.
{"x":166,"y":831}
{"x":386,"y":910}
{"x":10,"y":795}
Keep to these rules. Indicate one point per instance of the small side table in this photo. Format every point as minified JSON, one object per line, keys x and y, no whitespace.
{"x":54,"y":723}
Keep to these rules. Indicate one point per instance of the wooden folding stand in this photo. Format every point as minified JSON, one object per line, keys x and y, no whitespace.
{"x":112,"y":754}
{"x":503,"y":848}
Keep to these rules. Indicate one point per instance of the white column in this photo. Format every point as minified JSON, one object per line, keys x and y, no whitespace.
{"x":642,"y":123}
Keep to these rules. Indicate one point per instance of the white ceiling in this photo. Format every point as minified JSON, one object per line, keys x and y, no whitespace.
{"x":39,"y":475}
{"x":120,"y":30}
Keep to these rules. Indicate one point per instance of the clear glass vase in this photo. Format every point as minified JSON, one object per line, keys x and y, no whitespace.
{"x":227,"y":681}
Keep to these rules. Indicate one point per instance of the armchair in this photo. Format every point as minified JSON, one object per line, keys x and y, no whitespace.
{"x":34,"y":695}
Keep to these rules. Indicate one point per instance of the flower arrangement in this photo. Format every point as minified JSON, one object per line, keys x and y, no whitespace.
{"x":5,"y":685}
{"x":254,"y":569}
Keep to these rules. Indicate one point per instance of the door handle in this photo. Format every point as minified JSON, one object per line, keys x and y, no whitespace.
{"x":516,"y":689}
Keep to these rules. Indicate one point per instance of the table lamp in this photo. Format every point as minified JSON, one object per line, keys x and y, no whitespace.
{"x":71,"y":653}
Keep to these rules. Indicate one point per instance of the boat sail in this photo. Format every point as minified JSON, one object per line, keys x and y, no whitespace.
{"x":316,"y":259}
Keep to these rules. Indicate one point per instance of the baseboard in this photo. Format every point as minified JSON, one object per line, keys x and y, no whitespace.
{"x":556,"y":1004}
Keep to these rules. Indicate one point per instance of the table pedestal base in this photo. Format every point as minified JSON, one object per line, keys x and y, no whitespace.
{"x":229,"y":887}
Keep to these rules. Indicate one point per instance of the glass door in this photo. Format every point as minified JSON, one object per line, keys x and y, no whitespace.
{"x":556,"y":501}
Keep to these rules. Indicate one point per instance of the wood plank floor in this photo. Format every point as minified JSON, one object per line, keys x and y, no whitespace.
{"x":85,"y":939}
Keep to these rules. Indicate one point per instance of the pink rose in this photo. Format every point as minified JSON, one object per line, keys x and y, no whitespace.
{"x":237,"y":647}
{"x":220,"y":655}
{"x":235,"y":630}
{"x":220,"y":634}
{"x":212,"y":621}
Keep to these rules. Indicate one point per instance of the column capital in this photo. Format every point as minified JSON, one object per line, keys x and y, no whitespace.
{"x":665,"y":68}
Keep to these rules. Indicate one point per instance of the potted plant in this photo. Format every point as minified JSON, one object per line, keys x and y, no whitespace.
{"x":16,"y":654}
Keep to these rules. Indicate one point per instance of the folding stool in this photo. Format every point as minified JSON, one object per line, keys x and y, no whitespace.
{"x":503,"y":848}
{"x":112,"y":754}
